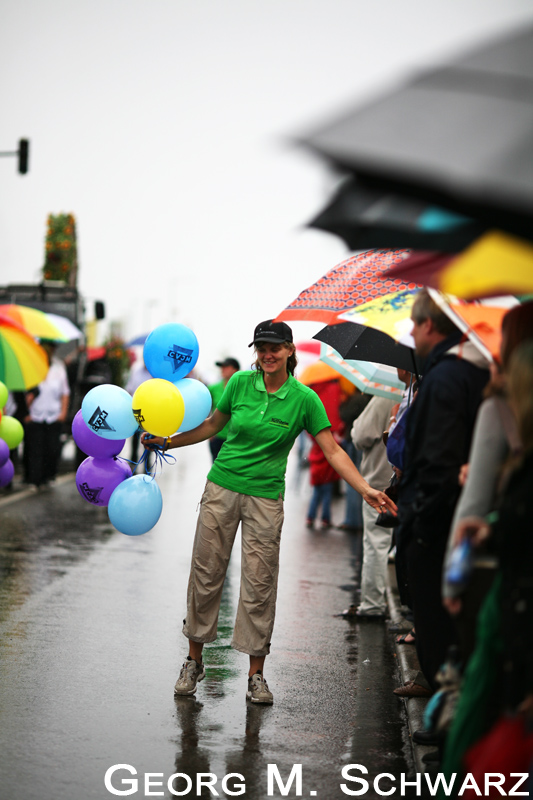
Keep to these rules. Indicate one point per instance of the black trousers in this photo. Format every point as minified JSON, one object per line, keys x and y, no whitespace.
{"x":42,"y":450}
{"x":435,"y":630}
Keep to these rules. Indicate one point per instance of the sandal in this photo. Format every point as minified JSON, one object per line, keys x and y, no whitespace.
{"x":403,"y":639}
{"x":412,"y":689}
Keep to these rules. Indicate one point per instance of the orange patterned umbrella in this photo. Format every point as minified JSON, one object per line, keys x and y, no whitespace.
{"x":356,"y":280}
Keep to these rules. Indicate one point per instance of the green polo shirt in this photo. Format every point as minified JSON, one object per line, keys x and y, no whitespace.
{"x":253,"y":459}
{"x":217,"y":390}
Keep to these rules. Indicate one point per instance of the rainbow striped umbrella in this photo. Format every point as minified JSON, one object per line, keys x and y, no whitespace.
{"x":41,"y":324}
{"x":23,"y":363}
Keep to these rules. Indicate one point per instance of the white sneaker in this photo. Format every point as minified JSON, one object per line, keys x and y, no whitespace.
{"x":191,"y":674}
{"x":258,"y":691}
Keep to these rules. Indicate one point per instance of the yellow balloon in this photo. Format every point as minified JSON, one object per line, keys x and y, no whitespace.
{"x":158,"y":407}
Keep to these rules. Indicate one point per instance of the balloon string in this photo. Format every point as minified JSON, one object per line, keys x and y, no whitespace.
{"x":161,"y":457}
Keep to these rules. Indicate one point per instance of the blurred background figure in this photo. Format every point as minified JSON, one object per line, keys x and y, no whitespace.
{"x":47,"y":411}
{"x":137,"y":376}
{"x":367,"y":436}
{"x":227,"y":368}
{"x":322,"y":476}
{"x":349,"y":410}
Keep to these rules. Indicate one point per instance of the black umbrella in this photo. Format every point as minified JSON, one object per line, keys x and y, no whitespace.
{"x":460,"y":136}
{"x":358,"y":342}
{"x":370,"y":219}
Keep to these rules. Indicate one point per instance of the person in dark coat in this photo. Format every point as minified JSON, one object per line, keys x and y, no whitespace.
{"x":438,"y":434}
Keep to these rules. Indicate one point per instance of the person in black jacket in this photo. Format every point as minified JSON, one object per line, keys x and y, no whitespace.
{"x":438,"y":434}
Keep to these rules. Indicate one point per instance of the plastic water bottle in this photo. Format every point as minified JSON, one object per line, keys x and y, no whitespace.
{"x":459,"y":566}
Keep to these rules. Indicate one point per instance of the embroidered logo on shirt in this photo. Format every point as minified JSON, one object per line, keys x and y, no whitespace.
{"x":280,"y":423}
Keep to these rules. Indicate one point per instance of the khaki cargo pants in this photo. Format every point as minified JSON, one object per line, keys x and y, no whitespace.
{"x":221,"y":510}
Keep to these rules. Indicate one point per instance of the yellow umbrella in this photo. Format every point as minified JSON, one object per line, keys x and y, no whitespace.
{"x":496,"y":264}
{"x":390,"y":313}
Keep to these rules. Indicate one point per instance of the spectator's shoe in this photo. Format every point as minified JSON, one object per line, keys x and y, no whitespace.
{"x":325,"y":524}
{"x":371,"y":615}
{"x":258,"y":691}
{"x":310,"y":523}
{"x":191,"y":674}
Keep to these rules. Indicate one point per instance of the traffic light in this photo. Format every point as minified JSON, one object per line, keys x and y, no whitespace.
{"x":24,"y":155}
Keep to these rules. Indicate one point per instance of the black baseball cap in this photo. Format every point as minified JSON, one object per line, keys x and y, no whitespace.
{"x":229,"y":362}
{"x":270,"y":331}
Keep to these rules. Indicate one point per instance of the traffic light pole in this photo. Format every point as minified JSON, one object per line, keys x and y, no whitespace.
{"x":23,"y":154}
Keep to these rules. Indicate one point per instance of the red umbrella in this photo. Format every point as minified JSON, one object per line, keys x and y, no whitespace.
{"x":423,"y":267}
{"x":354,"y":281}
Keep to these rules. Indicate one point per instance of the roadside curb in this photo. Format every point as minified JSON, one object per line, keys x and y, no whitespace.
{"x":409,"y":666}
{"x":19,"y":492}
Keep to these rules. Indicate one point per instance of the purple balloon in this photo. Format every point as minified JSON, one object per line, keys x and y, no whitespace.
{"x":92,"y":444}
{"x":4,"y":452}
{"x":7,"y":471}
{"x":97,"y":478}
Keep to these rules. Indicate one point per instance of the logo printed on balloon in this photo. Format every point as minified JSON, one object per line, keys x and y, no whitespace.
{"x":138,"y":414}
{"x":178,"y":356}
{"x":92,"y":495}
{"x":98,"y":421}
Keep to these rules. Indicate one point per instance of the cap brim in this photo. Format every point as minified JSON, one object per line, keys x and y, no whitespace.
{"x":267,"y":337}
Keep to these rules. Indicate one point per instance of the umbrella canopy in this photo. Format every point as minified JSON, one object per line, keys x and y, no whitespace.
{"x":319,"y":372}
{"x":41,"y":324}
{"x":370,"y":219}
{"x":67,"y":328}
{"x":484,"y":322}
{"x":350,"y":369}
{"x":355,"y":280}
{"x":460,"y":136}
{"x":421,"y":267}
{"x":23,"y":363}
{"x":496,"y":264}
{"x":481,"y":322}
{"x":139,"y":340}
{"x":358,"y":342}
{"x":311,"y":347}
{"x":390,"y":313}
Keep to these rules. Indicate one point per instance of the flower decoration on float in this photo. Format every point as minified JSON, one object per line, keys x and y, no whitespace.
{"x":61,"y":252}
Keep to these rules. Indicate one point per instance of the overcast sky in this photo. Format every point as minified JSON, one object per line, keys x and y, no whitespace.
{"x":165,"y":127}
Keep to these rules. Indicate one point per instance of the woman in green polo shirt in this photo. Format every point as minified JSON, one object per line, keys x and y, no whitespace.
{"x":268,"y":408}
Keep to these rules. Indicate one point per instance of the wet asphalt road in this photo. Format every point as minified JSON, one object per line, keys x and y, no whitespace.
{"x":91,"y":644}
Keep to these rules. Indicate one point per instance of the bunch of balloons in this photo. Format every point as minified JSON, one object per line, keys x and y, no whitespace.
{"x":162,"y":405}
{"x":11,"y":435}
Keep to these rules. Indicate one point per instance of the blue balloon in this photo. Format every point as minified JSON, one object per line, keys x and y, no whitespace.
{"x":107,"y":411}
{"x":170,"y":351}
{"x":198,"y":402}
{"x":135,"y":506}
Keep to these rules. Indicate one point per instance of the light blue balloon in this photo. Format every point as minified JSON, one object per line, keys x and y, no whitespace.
{"x":107,"y":411}
{"x":135,"y":506}
{"x":198,"y":401}
{"x":170,"y":351}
